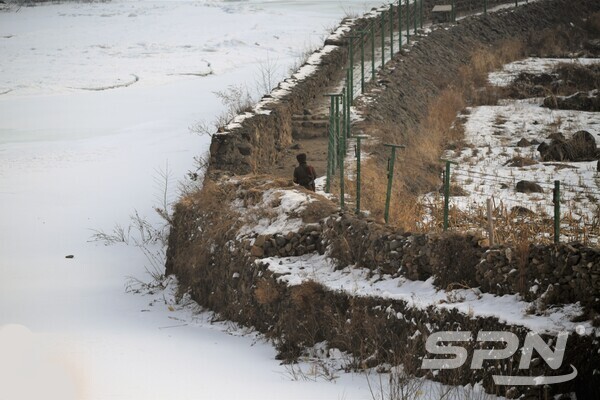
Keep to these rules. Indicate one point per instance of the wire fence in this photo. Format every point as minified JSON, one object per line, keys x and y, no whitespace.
{"x":561,"y":210}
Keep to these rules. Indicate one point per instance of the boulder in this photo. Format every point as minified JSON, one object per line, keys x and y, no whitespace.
{"x":528,"y":187}
{"x":579,"y":101}
{"x":581,"y":147}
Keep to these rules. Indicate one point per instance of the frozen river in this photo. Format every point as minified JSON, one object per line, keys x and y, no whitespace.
{"x":95,"y":101}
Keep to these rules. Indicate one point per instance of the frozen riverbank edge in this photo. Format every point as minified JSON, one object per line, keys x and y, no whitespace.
{"x":230,"y":272}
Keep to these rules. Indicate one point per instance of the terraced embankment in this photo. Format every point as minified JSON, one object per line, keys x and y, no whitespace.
{"x":237,"y":243}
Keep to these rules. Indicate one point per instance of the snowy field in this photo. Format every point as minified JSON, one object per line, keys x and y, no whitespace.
{"x":494,"y":137}
{"x":95,"y":101}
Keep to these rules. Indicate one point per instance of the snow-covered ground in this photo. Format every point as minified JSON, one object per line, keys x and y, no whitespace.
{"x":485,"y":166}
{"x":95,"y":100}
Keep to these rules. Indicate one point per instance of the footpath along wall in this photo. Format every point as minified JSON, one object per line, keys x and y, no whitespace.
{"x":253,"y":142}
{"x":224,"y":270}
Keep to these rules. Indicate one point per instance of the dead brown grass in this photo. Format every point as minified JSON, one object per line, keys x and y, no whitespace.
{"x":418,"y":169}
{"x":266,"y":292}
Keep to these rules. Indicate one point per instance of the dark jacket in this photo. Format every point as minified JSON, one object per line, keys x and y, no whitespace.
{"x":305,"y":175}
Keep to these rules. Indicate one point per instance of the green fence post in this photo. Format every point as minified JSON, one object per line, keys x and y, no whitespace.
{"x":358,"y":141}
{"x":351,"y":75}
{"x":407,"y":22}
{"x":556,"y":200}
{"x":382,"y":38}
{"x":362,"y":62}
{"x":330,"y":144}
{"x":342,"y":152}
{"x":447,"y":192}
{"x":390,"y":175}
{"x":342,"y":130}
{"x":400,"y":24}
{"x":347,"y":114}
{"x":516,"y":3}
{"x":373,"y":49}
{"x":391,"y":31}
{"x":342,"y":183}
{"x":421,"y":14}
{"x":337,"y":120}
{"x":485,"y":7}
{"x":352,"y":38}
{"x":415,"y":15}
{"x":453,"y":12}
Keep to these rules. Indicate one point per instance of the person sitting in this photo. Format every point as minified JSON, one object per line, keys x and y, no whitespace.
{"x":304,"y":174}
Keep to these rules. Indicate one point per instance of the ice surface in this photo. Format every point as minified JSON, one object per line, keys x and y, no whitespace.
{"x":73,"y":160}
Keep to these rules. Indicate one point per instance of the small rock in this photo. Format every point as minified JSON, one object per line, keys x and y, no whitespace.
{"x":256,"y":251}
{"x":245,"y":150}
{"x":512,"y":393}
{"x":70,"y":256}
{"x":260,"y":240}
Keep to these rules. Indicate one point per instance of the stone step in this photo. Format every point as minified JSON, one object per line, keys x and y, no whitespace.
{"x":303,"y":132}
{"x":317,"y":124}
{"x":312,"y":117}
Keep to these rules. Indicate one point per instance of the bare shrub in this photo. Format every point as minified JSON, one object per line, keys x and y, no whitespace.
{"x":268,"y":75}
{"x":592,"y":24}
{"x":236,"y":99}
{"x":578,"y":77}
{"x":553,"y":42}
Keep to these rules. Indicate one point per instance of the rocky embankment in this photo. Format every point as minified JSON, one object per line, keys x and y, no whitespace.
{"x":230,"y":242}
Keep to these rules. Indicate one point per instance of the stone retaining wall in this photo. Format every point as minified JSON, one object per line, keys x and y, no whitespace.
{"x":239,"y":286}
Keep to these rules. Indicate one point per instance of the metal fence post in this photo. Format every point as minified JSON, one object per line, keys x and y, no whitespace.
{"x":391,"y":31}
{"x":421,"y":14}
{"x":400,"y":24}
{"x":415,"y":15}
{"x":453,"y":16}
{"x":556,"y":200}
{"x":390,"y":175}
{"x":485,"y":7}
{"x":373,"y":49}
{"x":330,"y":145}
{"x":337,"y":118}
{"x":447,"y":192}
{"x":362,"y":62}
{"x":347,"y":115}
{"x":490,"y":220}
{"x":342,"y":183}
{"x":407,"y":22}
{"x":382,"y":38}
{"x":351,"y":75}
{"x":358,"y":183}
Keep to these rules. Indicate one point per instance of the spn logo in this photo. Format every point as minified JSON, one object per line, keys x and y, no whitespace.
{"x":533,"y":342}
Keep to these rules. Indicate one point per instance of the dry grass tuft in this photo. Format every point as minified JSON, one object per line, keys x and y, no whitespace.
{"x":304,"y":295}
{"x":266,"y":292}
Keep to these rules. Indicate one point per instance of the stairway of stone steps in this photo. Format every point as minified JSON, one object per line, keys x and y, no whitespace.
{"x":310,"y":135}
{"x":309,"y":126}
